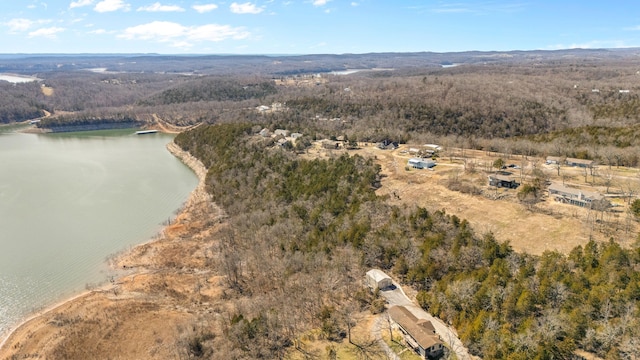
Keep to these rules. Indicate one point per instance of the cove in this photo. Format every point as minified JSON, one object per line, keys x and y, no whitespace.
{"x":69,"y":201}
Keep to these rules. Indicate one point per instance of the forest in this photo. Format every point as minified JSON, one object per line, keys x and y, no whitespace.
{"x":578,"y":104}
{"x":317,"y":224}
{"x":302,"y":232}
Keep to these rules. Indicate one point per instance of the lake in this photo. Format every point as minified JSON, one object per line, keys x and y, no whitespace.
{"x":17,"y":78}
{"x":69,"y":201}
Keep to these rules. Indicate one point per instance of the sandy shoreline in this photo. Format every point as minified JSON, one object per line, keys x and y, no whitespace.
{"x":198,"y":195}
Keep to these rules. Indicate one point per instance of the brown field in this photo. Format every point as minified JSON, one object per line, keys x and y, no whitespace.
{"x":47,"y":91}
{"x":546,"y":226}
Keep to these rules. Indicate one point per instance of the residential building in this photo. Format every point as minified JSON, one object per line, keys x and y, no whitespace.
{"x":553,"y":160}
{"x":502,"y":181}
{"x":578,"y":197}
{"x":421,"y":163}
{"x":419,"y":334}
{"x":330,"y":144}
{"x":378,"y":279}
{"x":579,"y":162}
{"x":281,"y":132}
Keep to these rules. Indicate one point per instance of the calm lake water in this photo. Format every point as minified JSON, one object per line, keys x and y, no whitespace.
{"x":68,"y":201}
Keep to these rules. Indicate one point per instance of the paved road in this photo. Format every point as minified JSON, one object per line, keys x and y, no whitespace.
{"x":397,"y":297}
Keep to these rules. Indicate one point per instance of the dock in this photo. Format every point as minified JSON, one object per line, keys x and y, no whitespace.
{"x":143,"y":132}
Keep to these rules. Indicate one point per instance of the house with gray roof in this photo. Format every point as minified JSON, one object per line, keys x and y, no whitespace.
{"x":578,"y":197}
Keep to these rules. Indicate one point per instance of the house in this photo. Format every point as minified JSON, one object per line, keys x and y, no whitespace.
{"x":281,"y":132}
{"x":262,"y":108}
{"x":419,"y":334}
{"x":377,"y":279}
{"x":296,"y":135}
{"x":265,"y":132}
{"x":579,"y":163}
{"x":573,"y":196}
{"x":420,"y":163}
{"x":330,"y":144}
{"x":433,"y":147}
{"x":387,"y":145}
{"x":553,"y":160}
{"x":502,"y":181}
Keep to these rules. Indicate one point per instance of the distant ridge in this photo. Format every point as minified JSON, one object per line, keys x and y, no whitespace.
{"x":278,"y":65}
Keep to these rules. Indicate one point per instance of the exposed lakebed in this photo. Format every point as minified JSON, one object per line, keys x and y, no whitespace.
{"x":68,"y":201}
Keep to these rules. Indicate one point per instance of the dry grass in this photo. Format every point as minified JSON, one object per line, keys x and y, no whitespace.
{"x":46,"y":91}
{"x":312,"y":345}
{"x":548,"y":226}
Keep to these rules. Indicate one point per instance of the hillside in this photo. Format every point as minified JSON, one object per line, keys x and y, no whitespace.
{"x":268,"y":259}
{"x":288,"y":261}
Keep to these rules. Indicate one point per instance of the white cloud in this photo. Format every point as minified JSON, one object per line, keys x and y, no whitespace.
{"x":100,"y":32}
{"x":245,"y":8}
{"x":111,"y":5}
{"x":80,"y":3}
{"x":320,"y":2}
{"x":157,"y":7}
{"x":204,"y":8}
{"x":21,"y":25}
{"x":215,"y":32}
{"x":354,"y":3}
{"x":183,"y":36}
{"x":46,"y":32}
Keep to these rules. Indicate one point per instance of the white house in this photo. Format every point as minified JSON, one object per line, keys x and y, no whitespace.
{"x":421,"y":163}
{"x":265,"y":132}
{"x":433,"y":146}
{"x":282,"y":132}
{"x":377,"y":279}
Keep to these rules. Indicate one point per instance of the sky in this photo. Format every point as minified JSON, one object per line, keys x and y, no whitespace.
{"x":313,"y":26}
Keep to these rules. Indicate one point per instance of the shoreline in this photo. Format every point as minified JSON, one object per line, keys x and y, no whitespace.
{"x":197,"y":195}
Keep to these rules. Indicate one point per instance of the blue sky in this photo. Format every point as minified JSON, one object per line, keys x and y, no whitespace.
{"x":313,"y":26}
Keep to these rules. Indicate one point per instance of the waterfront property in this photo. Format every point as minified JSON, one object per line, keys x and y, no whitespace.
{"x":419,"y":334}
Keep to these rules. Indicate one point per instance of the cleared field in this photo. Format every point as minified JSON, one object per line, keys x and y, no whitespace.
{"x":546,"y":226}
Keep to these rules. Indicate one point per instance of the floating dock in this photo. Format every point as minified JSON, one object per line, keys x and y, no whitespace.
{"x":143,"y":132}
